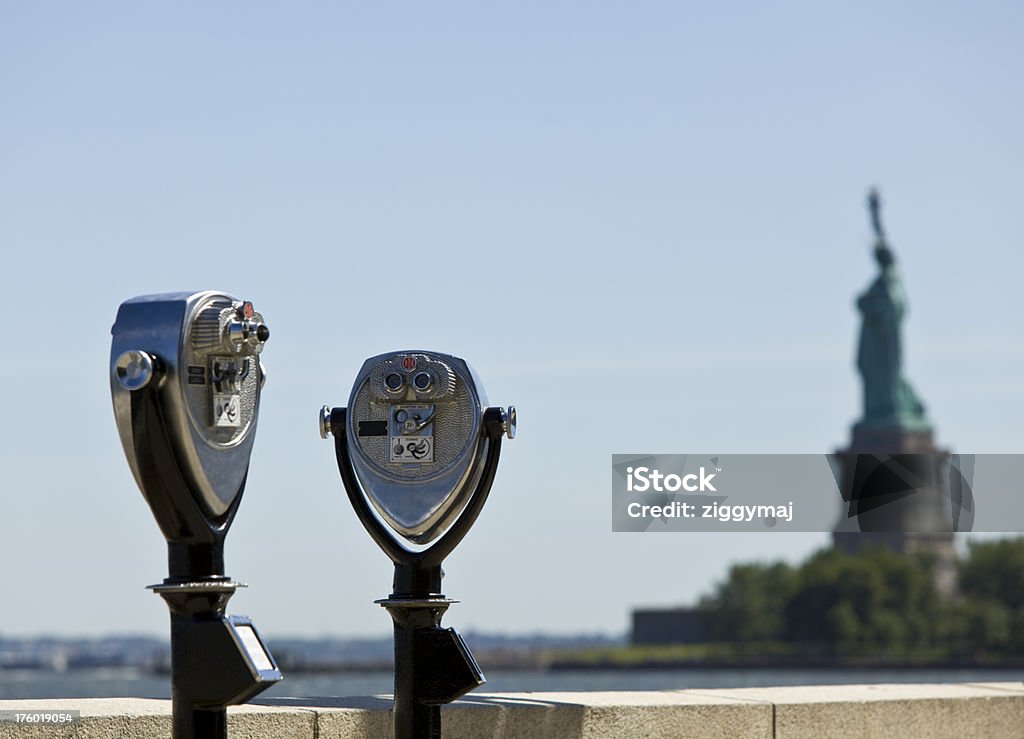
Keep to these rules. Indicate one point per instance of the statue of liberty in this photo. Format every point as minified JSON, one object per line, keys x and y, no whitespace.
{"x":889,"y":400}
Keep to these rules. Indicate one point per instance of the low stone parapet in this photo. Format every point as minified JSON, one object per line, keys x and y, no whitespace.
{"x":898,"y":710}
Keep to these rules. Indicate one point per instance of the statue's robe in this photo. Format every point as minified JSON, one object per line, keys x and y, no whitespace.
{"x":888,"y":397}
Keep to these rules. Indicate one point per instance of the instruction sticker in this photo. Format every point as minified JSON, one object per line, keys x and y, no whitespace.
{"x":412,"y":449}
{"x":227,"y":410}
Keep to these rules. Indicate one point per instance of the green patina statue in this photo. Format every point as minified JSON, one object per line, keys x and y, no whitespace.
{"x":889,"y":400}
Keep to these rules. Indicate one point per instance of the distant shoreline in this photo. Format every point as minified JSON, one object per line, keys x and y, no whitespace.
{"x":788,"y":663}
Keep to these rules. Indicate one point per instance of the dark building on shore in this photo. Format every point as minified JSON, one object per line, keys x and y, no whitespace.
{"x":669,"y":626}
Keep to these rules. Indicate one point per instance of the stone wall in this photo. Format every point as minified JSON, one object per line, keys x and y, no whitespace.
{"x":934,"y":710}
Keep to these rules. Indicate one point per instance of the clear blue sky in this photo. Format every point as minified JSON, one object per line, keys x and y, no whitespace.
{"x":643,"y":224}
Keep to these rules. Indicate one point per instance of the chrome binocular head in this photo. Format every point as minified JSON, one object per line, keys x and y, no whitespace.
{"x":415,"y":433}
{"x":199,"y":355}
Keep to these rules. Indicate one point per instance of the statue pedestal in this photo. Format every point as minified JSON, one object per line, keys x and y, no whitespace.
{"x":916,"y":523}
{"x":869,"y":439}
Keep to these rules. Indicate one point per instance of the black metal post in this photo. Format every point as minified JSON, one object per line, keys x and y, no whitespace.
{"x":189,"y":720}
{"x":413,"y":719}
{"x":211,"y":723}
{"x":433,"y":665}
{"x":212,"y":665}
{"x":197,"y":593}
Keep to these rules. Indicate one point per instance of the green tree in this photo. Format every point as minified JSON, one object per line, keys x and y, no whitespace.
{"x":995,"y":569}
{"x":861,"y":603}
{"x":876,"y":602}
{"x":983,"y":624}
{"x":992,"y":586}
{"x":750,"y":604}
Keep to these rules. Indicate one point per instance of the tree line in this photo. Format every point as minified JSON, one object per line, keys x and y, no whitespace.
{"x":876,"y":601}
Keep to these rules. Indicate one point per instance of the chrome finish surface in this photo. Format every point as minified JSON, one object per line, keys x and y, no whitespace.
{"x":414,"y":427}
{"x":134,"y":369}
{"x":209,"y":385}
{"x":509,"y":422}
{"x":325,"y":422}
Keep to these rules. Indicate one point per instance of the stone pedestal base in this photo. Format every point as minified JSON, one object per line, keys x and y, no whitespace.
{"x":890,"y":440}
{"x":917,"y":524}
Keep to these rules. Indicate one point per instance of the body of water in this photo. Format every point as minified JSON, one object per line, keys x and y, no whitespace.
{"x":129,"y":682}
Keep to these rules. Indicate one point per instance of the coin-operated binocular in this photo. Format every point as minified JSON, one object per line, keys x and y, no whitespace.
{"x":185,"y":376}
{"x":417,"y":449}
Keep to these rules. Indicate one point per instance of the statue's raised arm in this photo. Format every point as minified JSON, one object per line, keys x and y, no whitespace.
{"x":875,"y":206}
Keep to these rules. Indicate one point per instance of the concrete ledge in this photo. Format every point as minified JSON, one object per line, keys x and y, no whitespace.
{"x":939,"y":710}
{"x":929,"y":710}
